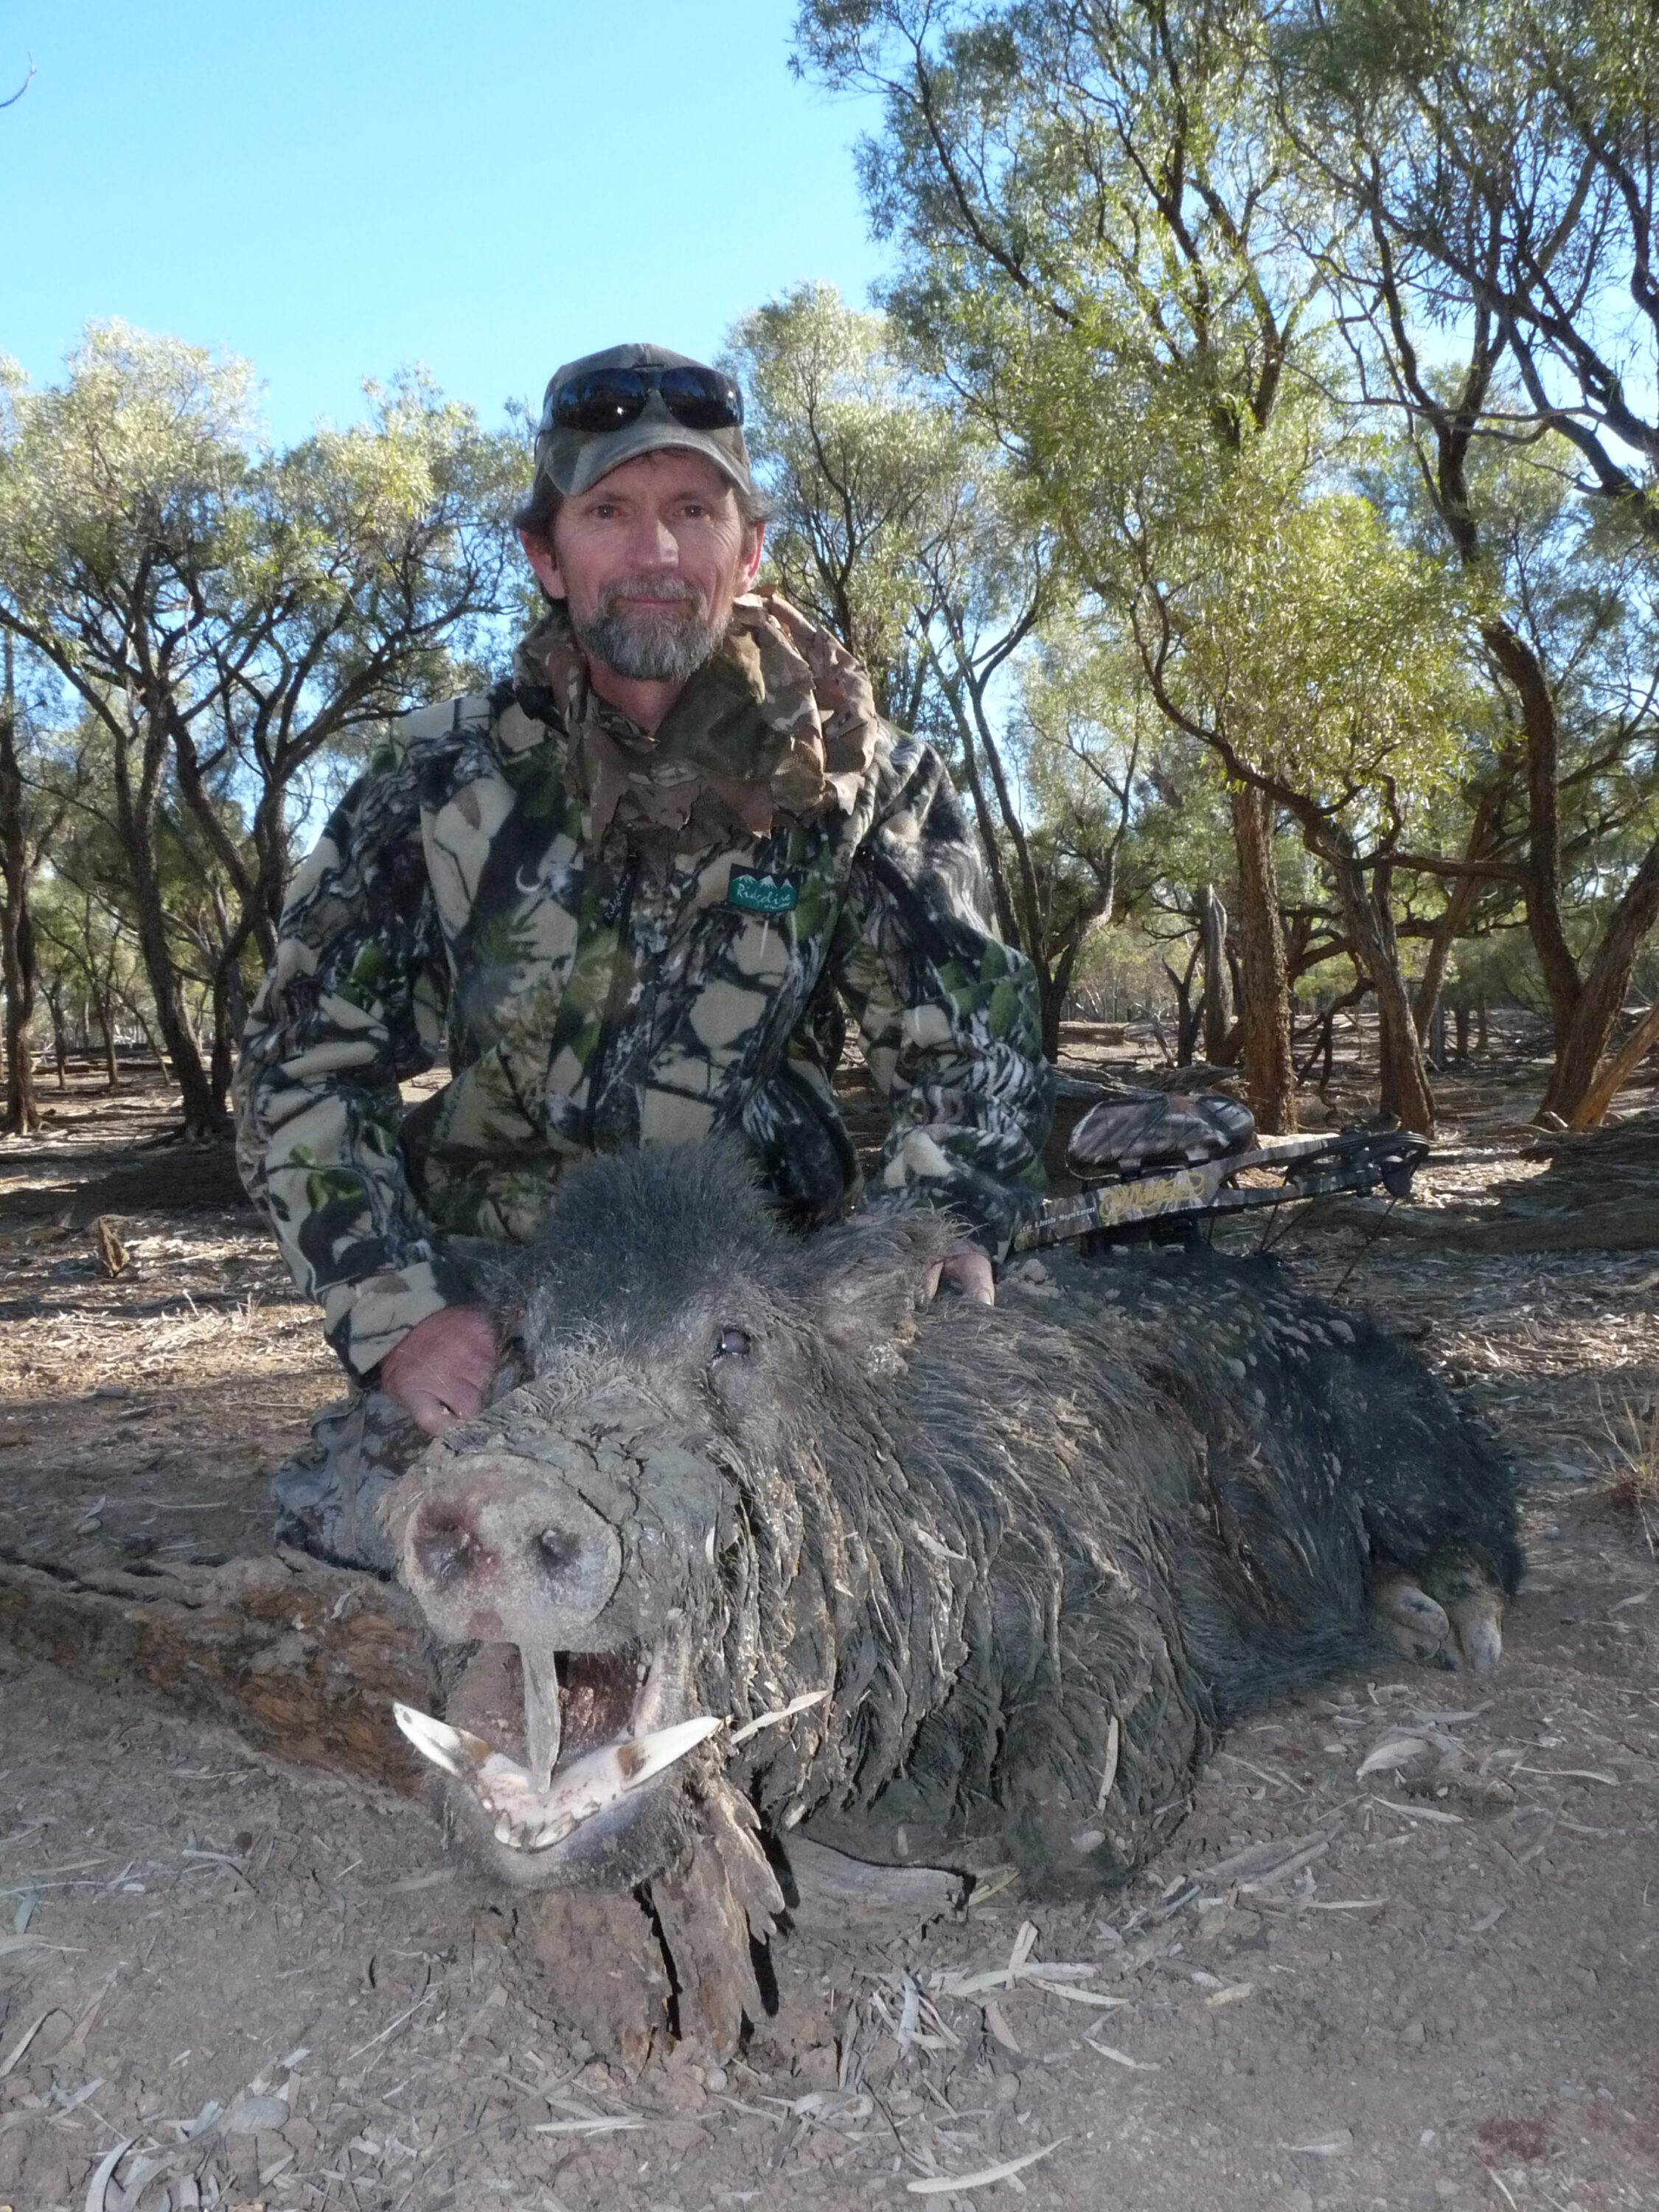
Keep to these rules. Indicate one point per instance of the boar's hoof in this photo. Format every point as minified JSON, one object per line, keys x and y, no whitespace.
{"x":1411,"y":1619}
{"x":1476,"y":1613}
{"x":1460,"y":1626}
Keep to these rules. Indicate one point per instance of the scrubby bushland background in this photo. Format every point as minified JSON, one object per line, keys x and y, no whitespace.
{"x":1247,"y":478}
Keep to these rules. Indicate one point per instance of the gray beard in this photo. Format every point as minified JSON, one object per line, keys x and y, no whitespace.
{"x":663,"y":648}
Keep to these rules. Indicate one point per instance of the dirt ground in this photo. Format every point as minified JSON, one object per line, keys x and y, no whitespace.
{"x":1402,"y":1954}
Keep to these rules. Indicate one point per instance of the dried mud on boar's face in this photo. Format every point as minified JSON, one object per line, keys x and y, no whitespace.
{"x":609,"y":1532}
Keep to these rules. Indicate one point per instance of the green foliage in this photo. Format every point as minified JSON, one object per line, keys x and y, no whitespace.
{"x":234,"y":620}
{"x":863,"y":471}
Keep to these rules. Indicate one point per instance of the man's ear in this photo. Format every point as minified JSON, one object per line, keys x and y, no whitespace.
{"x":751,"y":567}
{"x":539,"y":551}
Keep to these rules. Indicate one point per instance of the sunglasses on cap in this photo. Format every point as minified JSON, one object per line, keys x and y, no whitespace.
{"x":604,"y":399}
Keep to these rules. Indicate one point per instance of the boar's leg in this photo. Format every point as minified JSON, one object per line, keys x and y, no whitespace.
{"x":721,"y":1896}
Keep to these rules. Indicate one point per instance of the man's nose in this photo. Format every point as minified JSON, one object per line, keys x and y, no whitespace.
{"x":652,"y":543}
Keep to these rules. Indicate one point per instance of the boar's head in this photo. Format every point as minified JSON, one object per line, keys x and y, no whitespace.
{"x":657,"y":1519}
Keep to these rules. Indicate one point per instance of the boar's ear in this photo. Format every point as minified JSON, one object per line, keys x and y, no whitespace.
{"x":871,"y":1279}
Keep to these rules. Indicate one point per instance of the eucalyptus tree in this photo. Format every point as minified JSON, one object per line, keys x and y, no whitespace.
{"x":899,"y":526}
{"x":1495,"y":163}
{"x":861,"y":468}
{"x":1504,"y":154}
{"x":224,"y":612}
{"x":1097,"y":226}
{"x":1325,"y":663}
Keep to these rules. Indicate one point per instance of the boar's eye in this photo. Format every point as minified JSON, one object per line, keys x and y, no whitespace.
{"x":733,"y":1343}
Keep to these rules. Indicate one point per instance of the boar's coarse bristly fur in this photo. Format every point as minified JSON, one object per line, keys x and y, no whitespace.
{"x":1030,"y":1550}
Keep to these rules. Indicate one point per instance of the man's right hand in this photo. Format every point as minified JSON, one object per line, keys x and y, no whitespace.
{"x":440,"y":1370}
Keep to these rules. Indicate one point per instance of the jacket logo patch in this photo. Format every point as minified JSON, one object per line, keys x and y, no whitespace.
{"x":753,"y":893}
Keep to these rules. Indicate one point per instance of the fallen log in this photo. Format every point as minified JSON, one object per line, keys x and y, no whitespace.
{"x":302,"y":1659}
{"x":1621,"y":1228}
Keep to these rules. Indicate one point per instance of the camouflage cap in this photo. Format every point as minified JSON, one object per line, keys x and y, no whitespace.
{"x":570,"y":461}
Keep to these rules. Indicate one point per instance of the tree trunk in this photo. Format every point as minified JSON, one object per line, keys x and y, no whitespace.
{"x":1404,"y":1081}
{"x":22,"y":1114}
{"x":1481,"y":842}
{"x":54,"y":998}
{"x":1543,"y":736}
{"x":152,"y":1043}
{"x":1618,"y":1071}
{"x":135,"y":820}
{"x":1265,"y":1015}
{"x":1579,"y":1053}
{"x":106,"y":1028}
{"x":1186,"y":1020}
{"x":222,"y":1067}
{"x":1218,"y":1011}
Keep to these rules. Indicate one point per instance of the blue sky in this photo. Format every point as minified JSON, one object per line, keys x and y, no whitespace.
{"x":334,"y":190}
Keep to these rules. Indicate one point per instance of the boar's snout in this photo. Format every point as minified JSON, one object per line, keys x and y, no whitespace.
{"x":497,"y":1550}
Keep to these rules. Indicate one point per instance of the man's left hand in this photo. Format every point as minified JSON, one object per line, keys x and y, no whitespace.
{"x":965,"y":1268}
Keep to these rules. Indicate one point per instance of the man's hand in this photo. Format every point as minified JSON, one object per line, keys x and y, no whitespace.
{"x":967,"y":1268}
{"x":440,"y":1370}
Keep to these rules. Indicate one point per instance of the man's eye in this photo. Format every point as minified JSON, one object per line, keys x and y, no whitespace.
{"x":733,"y":1344}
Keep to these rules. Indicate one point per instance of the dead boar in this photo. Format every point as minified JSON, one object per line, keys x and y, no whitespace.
{"x":776,"y":1542}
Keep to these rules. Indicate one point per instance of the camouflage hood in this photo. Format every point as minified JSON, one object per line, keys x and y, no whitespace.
{"x":781,"y":722}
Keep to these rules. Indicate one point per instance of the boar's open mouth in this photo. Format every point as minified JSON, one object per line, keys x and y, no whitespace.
{"x":599,"y":1727}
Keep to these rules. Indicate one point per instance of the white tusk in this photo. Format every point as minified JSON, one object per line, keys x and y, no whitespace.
{"x":529,"y":1818}
{"x":453,"y":1749}
{"x":801,"y":1704}
{"x":664,"y":1746}
{"x":543,"y":1721}
{"x":602,"y":1778}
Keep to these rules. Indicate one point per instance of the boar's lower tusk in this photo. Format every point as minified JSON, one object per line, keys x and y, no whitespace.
{"x":533,"y":1817}
{"x":453,"y":1749}
{"x":589,"y":1784}
{"x":802,"y":1703}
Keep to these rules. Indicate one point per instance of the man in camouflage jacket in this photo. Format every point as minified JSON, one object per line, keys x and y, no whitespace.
{"x":631,"y":889}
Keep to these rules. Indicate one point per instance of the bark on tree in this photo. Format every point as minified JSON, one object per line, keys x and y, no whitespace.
{"x":106,"y":1029}
{"x":53,"y":995}
{"x":1216,"y":1014}
{"x":1367,"y":913}
{"x":1578,"y":1052}
{"x":1265,"y":1015}
{"x":1617,"y":1071}
{"x":1187,"y":1015}
{"x":136,"y":800}
{"x":1484,"y":830}
{"x":17,"y":969}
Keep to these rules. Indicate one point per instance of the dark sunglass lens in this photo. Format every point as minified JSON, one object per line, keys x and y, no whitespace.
{"x":700,"y":398}
{"x":604,"y":399}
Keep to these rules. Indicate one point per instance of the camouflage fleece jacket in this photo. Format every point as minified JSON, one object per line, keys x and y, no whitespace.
{"x":625,"y":941}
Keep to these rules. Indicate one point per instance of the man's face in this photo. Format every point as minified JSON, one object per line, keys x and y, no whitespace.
{"x":648,"y":562}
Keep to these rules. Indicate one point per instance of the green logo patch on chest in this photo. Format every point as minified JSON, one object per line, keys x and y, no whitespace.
{"x":753,"y":893}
